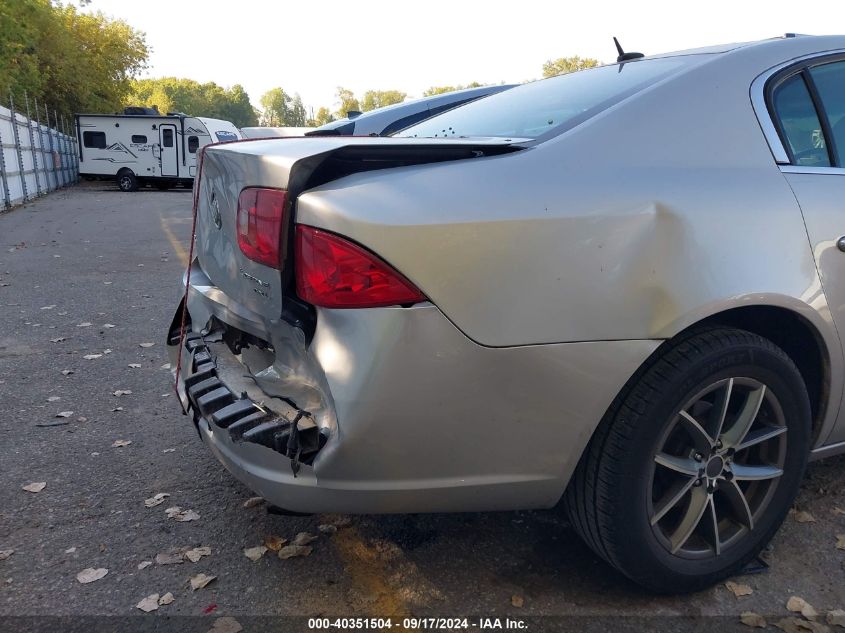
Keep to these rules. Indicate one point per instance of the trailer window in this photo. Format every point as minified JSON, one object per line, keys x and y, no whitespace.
{"x":96,"y":140}
{"x":167,"y":137}
{"x":193,"y":144}
{"x":139,"y":138}
{"x":225,"y":135}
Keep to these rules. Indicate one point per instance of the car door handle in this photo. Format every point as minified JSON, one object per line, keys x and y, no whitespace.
{"x":840,"y":243}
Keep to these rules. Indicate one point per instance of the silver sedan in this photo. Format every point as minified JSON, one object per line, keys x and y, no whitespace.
{"x":621,"y":288}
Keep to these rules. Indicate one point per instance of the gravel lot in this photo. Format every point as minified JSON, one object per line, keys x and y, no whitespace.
{"x":92,"y":255}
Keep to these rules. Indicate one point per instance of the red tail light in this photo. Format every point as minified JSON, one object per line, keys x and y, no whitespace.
{"x":335,"y":273}
{"x":259,"y":226}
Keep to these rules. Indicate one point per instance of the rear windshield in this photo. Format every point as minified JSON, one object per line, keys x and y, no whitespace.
{"x":548,"y":107}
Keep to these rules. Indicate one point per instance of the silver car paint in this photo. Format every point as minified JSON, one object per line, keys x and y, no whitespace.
{"x":554,"y":273}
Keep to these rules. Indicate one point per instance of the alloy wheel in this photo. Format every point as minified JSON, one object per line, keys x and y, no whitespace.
{"x":716,"y":468}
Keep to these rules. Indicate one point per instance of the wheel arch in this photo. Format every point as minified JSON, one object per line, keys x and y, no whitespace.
{"x":792,"y":328}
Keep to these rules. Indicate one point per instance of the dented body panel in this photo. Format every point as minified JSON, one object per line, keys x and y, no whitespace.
{"x":553,"y":271}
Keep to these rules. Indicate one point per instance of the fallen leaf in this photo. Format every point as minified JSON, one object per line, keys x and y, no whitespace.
{"x":109,"y":325}
{"x":517,"y":601}
{"x":57,"y":340}
{"x":166,"y":599}
{"x":106,"y":351}
{"x":253,"y":501}
{"x":303,"y":538}
{"x":90,"y":575}
{"x":70,"y":550}
{"x":754,"y":620}
{"x":67,"y":372}
{"x":275,"y":543}
{"x":738,"y":590}
{"x":796,"y":625}
{"x":121,"y":443}
{"x":47,"y":307}
{"x":165,"y":366}
{"x":53,"y":398}
{"x":135,"y":365}
{"x":92,"y":356}
{"x":5,"y":553}
{"x":64,"y":414}
{"x":172,"y":557}
{"x":337,"y":520}
{"x":81,"y":418}
{"x":150,"y":603}
{"x":804,"y":517}
{"x":840,"y":541}
{"x":117,"y":409}
{"x":156,"y":499}
{"x":254,"y":553}
{"x":35,"y":487}
{"x":226,"y":625}
{"x":838,"y":510}
{"x":200,"y":580}
{"x":146,"y":344}
{"x":326,"y":528}
{"x":197,"y":553}
{"x":169,"y":450}
{"x":86,"y":324}
{"x":179,"y":514}
{"x":799,"y":605}
{"x":121,"y":392}
{"x":144,"y":564}
{"x":293,"y":551}
{"x":836,"y":618}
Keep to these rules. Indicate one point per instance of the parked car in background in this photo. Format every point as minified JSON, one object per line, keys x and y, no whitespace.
{"x":141,"y":146}
{"x":622,"y":287}
{"x":390,"y":119}
{"x":274,"y":132}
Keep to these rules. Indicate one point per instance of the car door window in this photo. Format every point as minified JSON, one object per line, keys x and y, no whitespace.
{"x":799,"y":123}
{"x":829,"y":80}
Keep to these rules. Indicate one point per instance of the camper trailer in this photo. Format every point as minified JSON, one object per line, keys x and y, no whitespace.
{"x":142,"y":146}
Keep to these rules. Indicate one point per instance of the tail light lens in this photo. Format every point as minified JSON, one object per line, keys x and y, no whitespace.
{"x":332,"y":272}
{"x":259,"y":224}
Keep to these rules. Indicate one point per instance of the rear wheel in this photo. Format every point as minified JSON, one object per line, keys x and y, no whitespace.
{"x":126,"y":180}
{"x":696,"y":464}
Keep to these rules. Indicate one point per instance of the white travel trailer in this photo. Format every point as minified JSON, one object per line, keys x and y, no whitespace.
{"x":148,"y":148}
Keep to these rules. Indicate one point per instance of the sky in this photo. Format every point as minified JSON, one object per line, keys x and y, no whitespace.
{"x":314,"y":47}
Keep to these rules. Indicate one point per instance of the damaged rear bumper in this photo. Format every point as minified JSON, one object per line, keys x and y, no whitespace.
{"x":398,"y":411}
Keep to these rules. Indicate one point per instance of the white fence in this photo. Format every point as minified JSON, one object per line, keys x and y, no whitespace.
{"x":35,"y":158}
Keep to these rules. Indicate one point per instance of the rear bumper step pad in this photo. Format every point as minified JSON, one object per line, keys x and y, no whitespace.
{"x":239,"y":416}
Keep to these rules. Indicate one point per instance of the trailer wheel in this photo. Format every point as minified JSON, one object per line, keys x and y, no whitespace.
{"x":126,"y":180}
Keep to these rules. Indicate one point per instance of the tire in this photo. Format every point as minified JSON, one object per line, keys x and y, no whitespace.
{"x":127,"y":181}
{"x":644,"y":452}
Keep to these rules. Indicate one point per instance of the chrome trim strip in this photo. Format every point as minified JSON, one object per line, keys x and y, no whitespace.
{"x":827,"y":451}
{"x":806,"y":169}
{"x":758,"y":101}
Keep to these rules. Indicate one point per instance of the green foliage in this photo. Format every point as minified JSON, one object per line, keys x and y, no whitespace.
{"x":379,"y":98}
{"x":174,"y":94}
{"x":564,"y":65}
{"x":75,"y":62}
{"x":439,"y":90}
{"x":348,"y":102}
{"x":282,"y":110}
{"x":322,"y":117}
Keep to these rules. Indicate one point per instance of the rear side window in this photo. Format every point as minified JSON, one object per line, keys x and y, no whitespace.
{"x":799,"y":123}
{"x":97,"y":140}
{"x":139,"y":138}
{"x":167,"y":137}
{"x":548,"y":107}
{"x":193,"y":144}
{"x":829,"y":80}
{"x":225,"y":135}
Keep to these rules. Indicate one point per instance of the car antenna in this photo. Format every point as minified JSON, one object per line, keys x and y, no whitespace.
{"x":623,"y":56}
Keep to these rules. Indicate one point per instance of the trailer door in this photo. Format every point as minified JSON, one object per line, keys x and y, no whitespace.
{"x":169,"y":158}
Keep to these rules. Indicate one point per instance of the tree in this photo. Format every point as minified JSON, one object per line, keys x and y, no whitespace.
{"x":297,"y":117}
{"x":174,"y":94}
{"x":379,"y":98}
{"x":439,"y":90}
{"x":322,"y":117}
{"x":564,"y":65}
{"x":348,"y":102}
{"x":275,"y":103}
{"x":76,"y":62}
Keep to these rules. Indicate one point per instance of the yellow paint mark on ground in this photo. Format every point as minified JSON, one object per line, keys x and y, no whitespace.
{"x":180,"y":251}
{"x":369,"y":574}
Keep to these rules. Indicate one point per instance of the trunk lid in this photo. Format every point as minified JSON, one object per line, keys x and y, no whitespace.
{"x":294,"y":165}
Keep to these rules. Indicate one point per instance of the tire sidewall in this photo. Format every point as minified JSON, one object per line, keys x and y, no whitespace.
{"x":655,"y":564}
